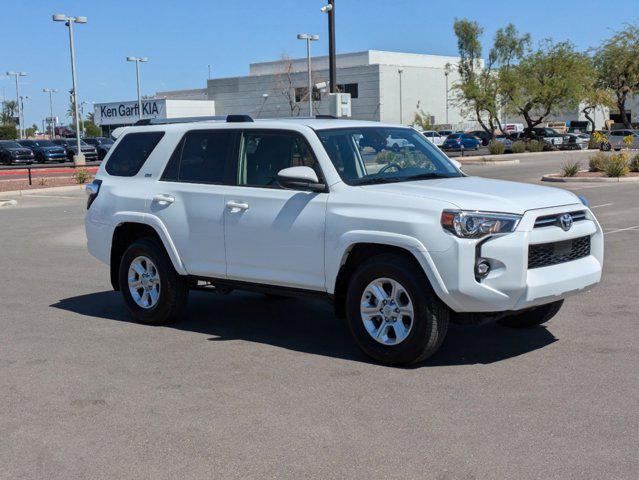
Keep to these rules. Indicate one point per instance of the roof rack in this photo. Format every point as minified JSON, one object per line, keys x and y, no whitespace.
{"x":326,"y":117}
{"x":215,"y":118}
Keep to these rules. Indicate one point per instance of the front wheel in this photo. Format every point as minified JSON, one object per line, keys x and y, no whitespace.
{"x":393,"y":313}
{"x":533,"y":317}
{"x":153,"y":291}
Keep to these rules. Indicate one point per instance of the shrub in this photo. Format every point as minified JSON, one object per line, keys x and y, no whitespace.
{"x":81,"y":175}
{"x":495,"y":147}
{"x":634,"y":163}
{"x":598,"y":162}
{"x":617,"y":166}
{"x":8,"y":132}
{"x":536,"y":146}
{"x":570,"y":169}
{"x":518,"y":147}
{"x":627,"y":140}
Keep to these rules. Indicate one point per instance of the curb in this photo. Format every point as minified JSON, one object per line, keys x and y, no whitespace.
{"x":554,"y":177}
{"x":508,"y":156}
{"x":8,"y":203}
{"x":65,"y":188}
{"x":514,"y":161}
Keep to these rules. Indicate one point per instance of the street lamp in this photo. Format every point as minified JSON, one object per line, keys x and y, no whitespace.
{"x":137,"y":61}
{"x":264,"y":100}
{"x":22,"y":99}
{"x":447,"y":70}
{"x":329,"y":9}
{"x":309,"y":38}
{"x":51,"y":91}
{"x":17,"y":75}
{"x":401,"y":100}
{"x":78,"y":159}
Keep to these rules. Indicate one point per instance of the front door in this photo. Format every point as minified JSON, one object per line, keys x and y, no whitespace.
{"x":273,"y":235}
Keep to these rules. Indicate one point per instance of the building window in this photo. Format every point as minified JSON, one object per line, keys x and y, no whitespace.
{"x":352,"y":88}
{"x":301,"y":94}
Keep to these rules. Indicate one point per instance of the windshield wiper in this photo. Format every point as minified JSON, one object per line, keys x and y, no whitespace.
{"x":425,"y":176}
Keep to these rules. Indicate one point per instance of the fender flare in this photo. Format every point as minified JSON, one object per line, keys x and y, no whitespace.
{"x":347,"y":240}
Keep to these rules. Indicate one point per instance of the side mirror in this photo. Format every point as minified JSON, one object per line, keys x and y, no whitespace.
{"x":456,"y":163}
{"x":300,"y":178}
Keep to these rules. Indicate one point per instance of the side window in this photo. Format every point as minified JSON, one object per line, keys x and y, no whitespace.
{"x":202,"y":156}
{"x":264,"y":154}
{"x":131,"y":153}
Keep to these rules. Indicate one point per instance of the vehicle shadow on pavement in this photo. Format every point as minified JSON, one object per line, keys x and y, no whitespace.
{"x":309,"y":325}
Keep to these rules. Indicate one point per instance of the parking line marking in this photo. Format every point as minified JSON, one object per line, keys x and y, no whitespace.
{"x":602,"y":205}
{"x":622,"y":230}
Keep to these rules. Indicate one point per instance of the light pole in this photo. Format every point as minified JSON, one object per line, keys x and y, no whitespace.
{"x":401,"y":100}
{"x":264,"y":100}
{"x":82,"y":104}
{"x":309,"y":38}
{"x":137,"y":61}
{"x":22,"y":99}
{"x":51,"y":91}
{"x":78,"y":159}
{"x":329,"y":9}
{"x":17,"y":75}
{"x":447,"y":70}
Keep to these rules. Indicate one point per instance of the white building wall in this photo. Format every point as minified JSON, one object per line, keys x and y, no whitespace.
{"x":189,"y":108}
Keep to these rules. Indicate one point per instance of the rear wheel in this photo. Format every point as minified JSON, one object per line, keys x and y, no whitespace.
{"x":533,"y":317}
{"x":393,"y":314}
{"x":153,"y":291}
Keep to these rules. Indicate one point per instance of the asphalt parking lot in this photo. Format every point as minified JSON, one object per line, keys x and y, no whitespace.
{"x":253,"y":388}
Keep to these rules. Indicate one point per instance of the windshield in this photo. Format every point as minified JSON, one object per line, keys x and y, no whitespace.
{"x":382,"y":155}
{"x":10,"y":144}
{"x":44,"y":143}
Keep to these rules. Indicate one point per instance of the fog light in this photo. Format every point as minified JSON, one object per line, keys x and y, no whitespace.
{"x":482,"y":268}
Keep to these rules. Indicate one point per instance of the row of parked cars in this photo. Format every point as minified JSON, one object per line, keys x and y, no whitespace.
{"x":58,"y":150}
{"x":450,"y":140}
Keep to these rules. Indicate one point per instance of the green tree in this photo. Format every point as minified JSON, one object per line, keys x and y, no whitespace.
{"x":31,"y":131}
{"x":8,"y":132}
{"x":9,"y":112}
{"x":552,"y":78}
{"x":617,"y":61}
{"x":423,"y":120}
{"x":91,"y":129}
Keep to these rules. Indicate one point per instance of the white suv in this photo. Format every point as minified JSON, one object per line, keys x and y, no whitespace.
{"x":402,"y":242}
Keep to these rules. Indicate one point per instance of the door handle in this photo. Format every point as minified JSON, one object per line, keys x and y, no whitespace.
{"x":236,"y":207}
{"x":163,"y":198}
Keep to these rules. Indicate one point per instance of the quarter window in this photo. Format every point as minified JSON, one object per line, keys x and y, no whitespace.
{"x":131,"y":153}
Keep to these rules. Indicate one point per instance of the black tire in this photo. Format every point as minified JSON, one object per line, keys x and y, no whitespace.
{"x":430,"y":322}
{"x":174,"y":289}
{"x":605,"y":147}
{"x":533,"y":317}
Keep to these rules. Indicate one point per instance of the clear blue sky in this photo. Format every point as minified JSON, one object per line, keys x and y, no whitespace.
{"x":182,"y":37}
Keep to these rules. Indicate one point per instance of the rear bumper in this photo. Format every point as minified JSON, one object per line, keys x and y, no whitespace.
{"x":511,"y":285}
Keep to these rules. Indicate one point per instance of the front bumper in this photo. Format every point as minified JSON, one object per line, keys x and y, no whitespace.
{"x":511,"y":285}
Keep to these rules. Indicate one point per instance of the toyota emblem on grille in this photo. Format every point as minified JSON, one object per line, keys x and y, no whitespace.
{"x":566,"y":221}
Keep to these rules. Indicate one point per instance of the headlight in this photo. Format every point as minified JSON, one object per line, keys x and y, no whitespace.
{"x":466,"y":224}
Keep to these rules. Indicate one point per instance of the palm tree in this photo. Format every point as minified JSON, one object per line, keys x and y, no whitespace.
{"x":9,"y":111}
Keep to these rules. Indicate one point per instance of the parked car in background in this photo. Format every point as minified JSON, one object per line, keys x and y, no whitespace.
{"x":511,"y":128}
{"x":575,"y":141}
{"x":101,"y":144}
{"x":559,"y":127}
{"x":548,"y":135}
{"x":508,"y":143}
{"x":435,"y":137}
{"x":483,"y":135}
{"x":70,"y":144}
{"x":445,"y":133}
{"x":12,"y":152}
{"x":396,"y":143}
{"x":45,"y":150}
{"x":616,"y":138}
{"x":457,"y":141}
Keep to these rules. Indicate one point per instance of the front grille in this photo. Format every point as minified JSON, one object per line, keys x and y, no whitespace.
{"x":550,"y":220}
{"x":546,"y":254}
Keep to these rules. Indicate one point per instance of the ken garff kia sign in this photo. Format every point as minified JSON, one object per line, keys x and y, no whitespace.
{"x":126,"y":113}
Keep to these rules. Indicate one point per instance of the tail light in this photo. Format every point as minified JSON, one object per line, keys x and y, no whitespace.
{"x":92,"y":190}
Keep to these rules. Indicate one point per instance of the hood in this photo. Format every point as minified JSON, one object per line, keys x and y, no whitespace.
{"x":484,"y":194}
{"x":55,"y":148}
{"x":23,"y":151}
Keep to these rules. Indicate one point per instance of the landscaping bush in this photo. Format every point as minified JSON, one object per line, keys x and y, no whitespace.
{"x":536,"y":146}
{"x":495,"y":147}
{"x":518,"y":147}
{"x":8,"y":132}
{"x":570,"y":169}
{"x":634,"y":163}
{"x":81,"y":175}
{"x":598,"y":162}
{"x":617,"y":166}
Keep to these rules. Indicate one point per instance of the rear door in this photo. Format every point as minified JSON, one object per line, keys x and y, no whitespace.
{"x":189,"y":198}
{"x":274,"y":236}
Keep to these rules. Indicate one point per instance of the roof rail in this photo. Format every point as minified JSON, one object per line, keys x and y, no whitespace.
{"x":238,"y":118}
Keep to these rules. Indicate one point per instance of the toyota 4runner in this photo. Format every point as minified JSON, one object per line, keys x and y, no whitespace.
{"x":400,"y":240}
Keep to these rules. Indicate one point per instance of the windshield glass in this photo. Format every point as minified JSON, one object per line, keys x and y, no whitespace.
{"x":368,"y":155}
{"x":10,"y":144}
{"x":45,"y":143}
